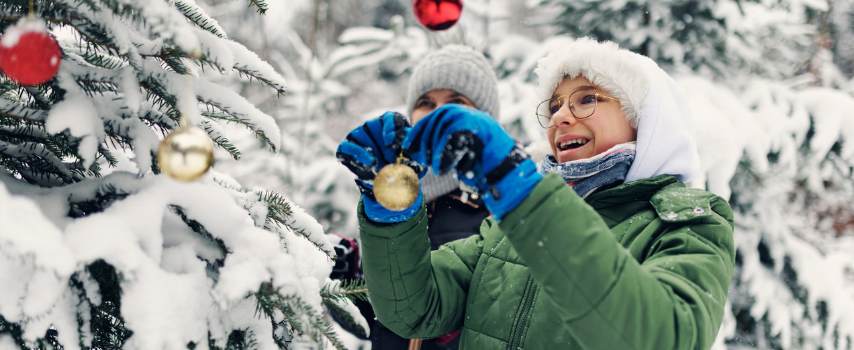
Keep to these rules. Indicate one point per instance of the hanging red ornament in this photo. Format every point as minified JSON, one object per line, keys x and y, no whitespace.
{"x":28,"y":53}
{"x":437,"y":14}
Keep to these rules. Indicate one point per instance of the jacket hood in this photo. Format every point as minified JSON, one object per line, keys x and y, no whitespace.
{"x":650,"y":98}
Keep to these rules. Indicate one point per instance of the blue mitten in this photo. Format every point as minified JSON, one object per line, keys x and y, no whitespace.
{"x":479,"y":150}
{"x":367,"y":149}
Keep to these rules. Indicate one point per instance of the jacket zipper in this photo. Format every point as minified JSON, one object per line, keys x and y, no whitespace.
{"x":522,"y":316}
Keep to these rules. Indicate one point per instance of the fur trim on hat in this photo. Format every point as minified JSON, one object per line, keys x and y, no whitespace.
{"x":620,"y":72}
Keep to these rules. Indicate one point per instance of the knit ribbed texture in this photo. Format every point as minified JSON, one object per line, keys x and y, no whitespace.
{"x":459,"y":68}
{"x":434,"y":186}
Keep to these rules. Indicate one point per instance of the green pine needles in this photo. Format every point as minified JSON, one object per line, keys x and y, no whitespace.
{"x":124,"y":246}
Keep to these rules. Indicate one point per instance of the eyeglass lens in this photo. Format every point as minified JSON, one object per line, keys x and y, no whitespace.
{"x":582,"y":104}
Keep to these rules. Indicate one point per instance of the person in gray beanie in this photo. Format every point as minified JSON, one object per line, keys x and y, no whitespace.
{"x":453,"y":74}
{"x":457,"y":68}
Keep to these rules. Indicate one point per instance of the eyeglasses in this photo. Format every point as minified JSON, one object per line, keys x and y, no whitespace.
{"x":582,"y":104}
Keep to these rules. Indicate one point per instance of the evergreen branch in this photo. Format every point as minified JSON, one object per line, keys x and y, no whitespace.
{"x":160,"y":96}
{"x":240,"y":339}
{"x":219,"y":139}
{"x":345,"y":289}
{"x":15,"y":331}
{"x":248,"y":64}
{"x":108,"y":326}
{"x":105,"y":195}
{"x":26,"y":132}
{"x":36,"y":154}
{"x":79,"y":290}
{"x":128,"y":11}
{"x":15,"y":109}
{"x":30,"y":174}
{"x":39,"y":101}
{"x":17,"y":133}
{"x":92,"y":80}
{"x":278,"y":207}
{"x":231,"y":115}
{"x":198,"y":16}
{"x":251,"y":74}
{"x":345,"y":318}
{"x":103,"y":60}
{"x":176,"y":64}
{"x":292,"y":307}
{"x":261,"y":5}
{"x":197,"y":227}
{"x":119,"y":132}
{"x":204,"y":62}
{"x":94,"y":87}
{"x":279,"y":220}
{"x":7,"y":86}
{"x":94,"y":35}
{"x":108,"y":156}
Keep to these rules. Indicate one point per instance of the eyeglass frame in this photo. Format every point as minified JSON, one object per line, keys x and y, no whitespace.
{"x":571,"y":107}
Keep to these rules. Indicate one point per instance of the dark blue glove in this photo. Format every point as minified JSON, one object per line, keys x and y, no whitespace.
{"x":474,"y":145}
{"x":366,"y":150}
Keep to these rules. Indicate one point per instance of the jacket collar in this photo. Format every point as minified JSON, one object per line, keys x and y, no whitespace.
{"x":633,"y":191}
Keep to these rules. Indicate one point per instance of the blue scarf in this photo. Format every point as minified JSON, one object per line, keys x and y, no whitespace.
{"x":588,"y":175}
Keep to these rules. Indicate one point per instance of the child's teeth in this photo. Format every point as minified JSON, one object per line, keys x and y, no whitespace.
{"x":580,"y":142}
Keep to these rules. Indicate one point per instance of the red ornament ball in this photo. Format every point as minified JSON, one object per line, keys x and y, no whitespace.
{"x":29,"y":57}
{"x":438,"y":14}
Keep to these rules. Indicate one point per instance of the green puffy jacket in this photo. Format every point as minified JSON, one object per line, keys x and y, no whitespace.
{"x":643,"y":265}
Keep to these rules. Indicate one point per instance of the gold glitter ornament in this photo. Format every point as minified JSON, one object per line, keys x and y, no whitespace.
{"x":396,"y":186}
{"x":186,"y":154}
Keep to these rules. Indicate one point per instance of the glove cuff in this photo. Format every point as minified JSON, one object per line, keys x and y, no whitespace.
{"x":510,"y":190}
{"x":377,"y":213}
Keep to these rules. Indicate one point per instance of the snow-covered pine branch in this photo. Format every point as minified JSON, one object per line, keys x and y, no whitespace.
{"x":115,"y":255}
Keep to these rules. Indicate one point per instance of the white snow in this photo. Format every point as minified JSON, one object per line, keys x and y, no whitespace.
{"x":131,"y":90}
{"x":32,"y":257}
{"x":78,"y":115}
{"x":25,"y":25}
{"x":166,"y":289}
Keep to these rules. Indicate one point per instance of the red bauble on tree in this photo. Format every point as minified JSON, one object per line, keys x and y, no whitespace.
{"x":438,"y":14}
{"x":28,"y":53}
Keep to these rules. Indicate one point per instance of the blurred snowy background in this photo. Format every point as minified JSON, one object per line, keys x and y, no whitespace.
{"x":769,"y":83}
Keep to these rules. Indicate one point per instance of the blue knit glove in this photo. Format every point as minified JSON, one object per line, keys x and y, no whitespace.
{"x":366,"y":150}
{"x":484,"y":156}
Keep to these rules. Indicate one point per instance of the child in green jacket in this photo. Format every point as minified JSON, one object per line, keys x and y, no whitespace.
{"x":609,"y":250}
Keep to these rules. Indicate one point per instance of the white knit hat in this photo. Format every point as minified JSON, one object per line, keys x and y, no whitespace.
{"x":651,"y":100}
{"x":459,"y":68}
{"x":620,"y":72}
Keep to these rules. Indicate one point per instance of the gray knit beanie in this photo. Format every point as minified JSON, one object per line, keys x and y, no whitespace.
{"x":459,"y":68}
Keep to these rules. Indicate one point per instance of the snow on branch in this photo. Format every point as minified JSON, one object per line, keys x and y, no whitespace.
{"x":198,"y":16}
{"x":229,"y":102}
{"x":166,"y":288}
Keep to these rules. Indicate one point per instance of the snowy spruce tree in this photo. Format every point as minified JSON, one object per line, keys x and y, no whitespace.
{"x":772,"y":127}
{"x":708,"y":37}
{"x":98,"y":249}
{"x":304,"y":166}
